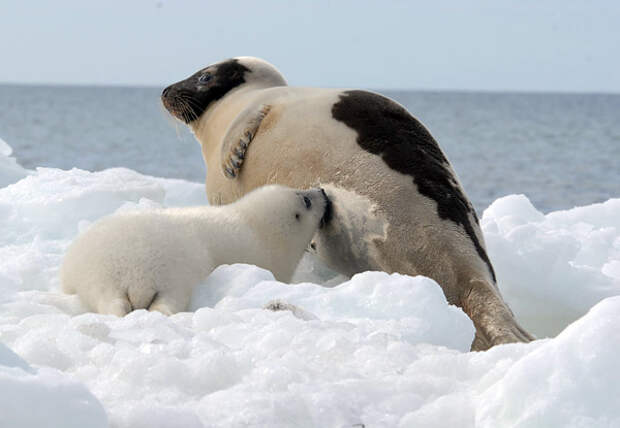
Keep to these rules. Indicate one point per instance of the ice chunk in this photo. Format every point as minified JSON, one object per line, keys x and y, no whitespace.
{"x":44,"y":398}
{"x":10,"y":170}
{"x":553,"y":268}
{"x":572,"y":380}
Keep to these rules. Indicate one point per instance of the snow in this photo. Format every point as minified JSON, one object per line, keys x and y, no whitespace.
{"x":10,"y":170}
{"x":378,"y":349}
{"x":554,"y":267}
{"x":44,"y":397}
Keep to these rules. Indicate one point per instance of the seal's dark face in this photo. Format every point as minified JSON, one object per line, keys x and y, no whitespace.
{"x":188,"y":99}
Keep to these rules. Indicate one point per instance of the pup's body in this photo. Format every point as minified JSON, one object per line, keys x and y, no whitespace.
{"x":154,"y":259}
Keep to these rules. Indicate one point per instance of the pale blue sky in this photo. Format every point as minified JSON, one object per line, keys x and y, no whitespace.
{"x":558,"y":45}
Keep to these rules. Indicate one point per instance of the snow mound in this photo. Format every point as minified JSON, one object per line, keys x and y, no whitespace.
{"x":44,"y":397}
{"x":572,"y":380}
{"x":10,"y":170}
{"x":553,"y":268}
{"x":216,"y":363}
{"x":417,"y":311}
{"x":378,"y":349}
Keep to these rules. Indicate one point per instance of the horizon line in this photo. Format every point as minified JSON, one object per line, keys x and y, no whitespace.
{"x":428,"y":90}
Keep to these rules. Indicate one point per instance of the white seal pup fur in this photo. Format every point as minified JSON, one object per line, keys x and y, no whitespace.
{"x":398,"y":205}
{"x":154,"y":259}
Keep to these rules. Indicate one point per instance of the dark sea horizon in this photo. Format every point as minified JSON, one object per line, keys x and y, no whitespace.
{"x":559,"y":149}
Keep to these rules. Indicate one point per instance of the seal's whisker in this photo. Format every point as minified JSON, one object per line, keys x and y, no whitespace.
{"x":192,"y":103}
{"x":187,"y":113}
{"x":167,"y":115}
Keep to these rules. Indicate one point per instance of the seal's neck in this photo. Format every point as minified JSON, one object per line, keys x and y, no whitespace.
{"x":214,"y":122}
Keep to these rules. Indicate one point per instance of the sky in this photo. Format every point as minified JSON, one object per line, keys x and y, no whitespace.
{"x":494,"y":45}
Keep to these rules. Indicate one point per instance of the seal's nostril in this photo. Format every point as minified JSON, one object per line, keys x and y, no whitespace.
{"x":165,"y":92}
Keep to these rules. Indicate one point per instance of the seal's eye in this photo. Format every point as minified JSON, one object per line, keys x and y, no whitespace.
{"x":308,"y":202}
{"x":204,"y":78}
{"x":297,"y":216}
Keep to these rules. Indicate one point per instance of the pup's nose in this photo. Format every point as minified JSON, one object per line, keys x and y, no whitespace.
{"x":165,"y":92}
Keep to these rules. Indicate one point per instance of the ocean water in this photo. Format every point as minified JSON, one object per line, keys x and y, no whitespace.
{"x":560,"y":150}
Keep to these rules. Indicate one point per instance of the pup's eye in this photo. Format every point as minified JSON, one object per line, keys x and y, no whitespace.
{"x":297,"y":216}
{"x":308,"y":202}
{"x":204,"y":78}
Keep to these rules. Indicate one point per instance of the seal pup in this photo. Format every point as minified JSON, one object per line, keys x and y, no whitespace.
{"x":398,"y":204}
{"x":154,"y":259}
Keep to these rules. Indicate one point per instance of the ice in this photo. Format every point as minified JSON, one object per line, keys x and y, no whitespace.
{"x":34,"y":398}
{"x":553,"y":268}
{"x":10,"y":170}
{"x":567,"y":374}
{"x":377,"y":349}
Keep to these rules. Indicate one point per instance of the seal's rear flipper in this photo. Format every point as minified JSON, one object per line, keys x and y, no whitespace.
{"x":238,"y":138}
{"x":494,"y":321}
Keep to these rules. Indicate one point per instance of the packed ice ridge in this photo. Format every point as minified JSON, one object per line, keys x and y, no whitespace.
{"x":379,"y":349}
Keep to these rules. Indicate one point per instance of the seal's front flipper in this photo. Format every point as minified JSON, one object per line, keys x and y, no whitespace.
{"x":238,"y":138}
